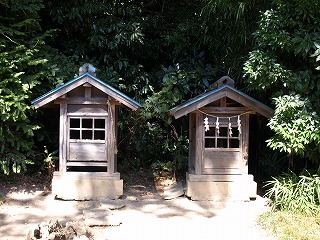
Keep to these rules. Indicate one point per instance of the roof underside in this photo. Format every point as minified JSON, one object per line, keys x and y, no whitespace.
{"x":79,"y":81}
{"x":216,"y":94}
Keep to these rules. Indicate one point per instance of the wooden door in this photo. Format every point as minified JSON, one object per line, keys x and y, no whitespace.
{"x":223,"y":148}
{"x":86,"y":140}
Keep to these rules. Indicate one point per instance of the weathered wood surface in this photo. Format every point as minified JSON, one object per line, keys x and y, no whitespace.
{"x":89,"y":109}
{"x":63,"y":138}
{"x":82,"y":100}
{"x":87,"y":164}
{"x":192,"y":141}
{"x":226,"y":110}
{"x":87,"y":175}
{"x":217,"y":94}
{"x":74,"y":85}
{"x":221,"y":159}
{"x":111,"y":139}
{"x":245,"y":144}
{"x":82,"y":151}
{"x":199,"y":143}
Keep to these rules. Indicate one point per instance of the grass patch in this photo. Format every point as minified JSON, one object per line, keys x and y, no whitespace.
{"x":287,"y":226}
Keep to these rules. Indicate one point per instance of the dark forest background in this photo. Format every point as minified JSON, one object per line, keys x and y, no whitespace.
{"x":162,"y":53}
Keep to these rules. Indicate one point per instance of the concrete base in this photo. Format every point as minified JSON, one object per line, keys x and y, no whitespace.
{"x":241,"y":187}
{"x":85,"y":186}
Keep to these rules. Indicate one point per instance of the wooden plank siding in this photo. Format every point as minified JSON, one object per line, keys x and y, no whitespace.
{"x":199,"y":143}
{"x":221,"y":161}
{"x":245,"y":144}
{"x":198,"y":104}
{"x":111,"y":139}
{"x":87,"y":151}
{"x":254,"y":105}
{"x":63,"y":138}
{"x":192,"y":142}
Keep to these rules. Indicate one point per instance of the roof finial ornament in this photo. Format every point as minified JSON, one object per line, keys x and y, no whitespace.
{"x":226,"y":80}
{"x":87,"y":67}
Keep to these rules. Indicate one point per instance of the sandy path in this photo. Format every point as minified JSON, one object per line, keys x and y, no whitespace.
{"x":148,"y":217}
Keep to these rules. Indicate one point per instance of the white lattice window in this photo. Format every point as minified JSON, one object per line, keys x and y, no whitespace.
{"x":87,"y":128}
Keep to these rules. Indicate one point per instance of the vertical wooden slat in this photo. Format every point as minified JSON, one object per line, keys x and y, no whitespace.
{"x":192,"y":128}
{"x":223,"y":102}
{"x":199,"y":143}
{"x":87,"y":90}
{"x":111,"y":139}
{"x":245,"y":144}
{"x":116,"y":137}
{"x":63,"y":138}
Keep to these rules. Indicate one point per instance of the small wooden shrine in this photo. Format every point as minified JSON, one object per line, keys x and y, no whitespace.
{"x":219,"y":142}
{"x":88,"y":136}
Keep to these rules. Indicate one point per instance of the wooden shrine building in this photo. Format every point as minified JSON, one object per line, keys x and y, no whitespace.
{"x":219,"y":141}
{"x":88,"y":136}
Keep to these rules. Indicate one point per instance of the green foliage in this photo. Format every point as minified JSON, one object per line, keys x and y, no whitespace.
{"x":284,"y":65}
{"x":129,"y":42}
{"x":22,"y":69}
{"x":179,"y":82}
{"x":227,"y":29}
{"x":295,"y":124}
{"x":296,"y":194}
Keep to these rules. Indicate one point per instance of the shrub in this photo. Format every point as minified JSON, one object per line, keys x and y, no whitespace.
{"x":299,"y":194}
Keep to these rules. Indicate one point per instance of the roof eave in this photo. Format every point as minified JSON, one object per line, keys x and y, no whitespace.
{"x":78,"y":81}
{"x":224,"y":91}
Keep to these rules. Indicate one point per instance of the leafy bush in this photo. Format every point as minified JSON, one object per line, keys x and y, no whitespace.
{"x":298,"y":194}
{"x":296,"y":126}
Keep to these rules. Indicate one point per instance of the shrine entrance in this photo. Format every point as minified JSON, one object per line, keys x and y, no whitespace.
{"x":87,"y":136}
{"x":219,"y":142}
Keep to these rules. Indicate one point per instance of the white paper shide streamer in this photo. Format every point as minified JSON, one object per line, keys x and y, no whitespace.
{"x":217,"y":125}
{"x":230,"y":128}
{"x":239,"y":125}
{"x":206,"y":124}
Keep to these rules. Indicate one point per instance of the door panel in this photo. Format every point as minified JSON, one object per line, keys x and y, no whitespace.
{"x":87,"y":151}
{"x":221,"y":162}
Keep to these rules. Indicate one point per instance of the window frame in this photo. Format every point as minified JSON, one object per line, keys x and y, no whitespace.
{"x":81,"y":129}
{"x":227,"y":137}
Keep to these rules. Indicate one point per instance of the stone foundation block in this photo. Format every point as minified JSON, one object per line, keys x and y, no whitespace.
{"x":79,"y":186}
{"x":241,"y":189}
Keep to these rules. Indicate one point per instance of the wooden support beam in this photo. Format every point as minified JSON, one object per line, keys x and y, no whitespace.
{"x":86,"y":100}
{"x":63,"y":138}
{"x":87,"y":90}
{"x":199,"y":143}
{"x":87,"y":164}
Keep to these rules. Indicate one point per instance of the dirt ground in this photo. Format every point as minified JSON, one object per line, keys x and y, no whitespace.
{"x":144,"y":215}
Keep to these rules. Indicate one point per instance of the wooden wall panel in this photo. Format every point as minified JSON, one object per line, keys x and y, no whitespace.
{"x":192,"y":142}
{"x":89,"y":109}
{"x":199,"y":143}
{"x":221,"y":159}
{"x":81,"y":151}
{"x":111,"y":138}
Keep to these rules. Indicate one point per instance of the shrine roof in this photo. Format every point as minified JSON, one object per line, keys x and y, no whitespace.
{"x":79,"y":81}
{"x":216,"y":94}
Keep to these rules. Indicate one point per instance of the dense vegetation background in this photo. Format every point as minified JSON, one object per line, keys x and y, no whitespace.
{"x":161,"y":53}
